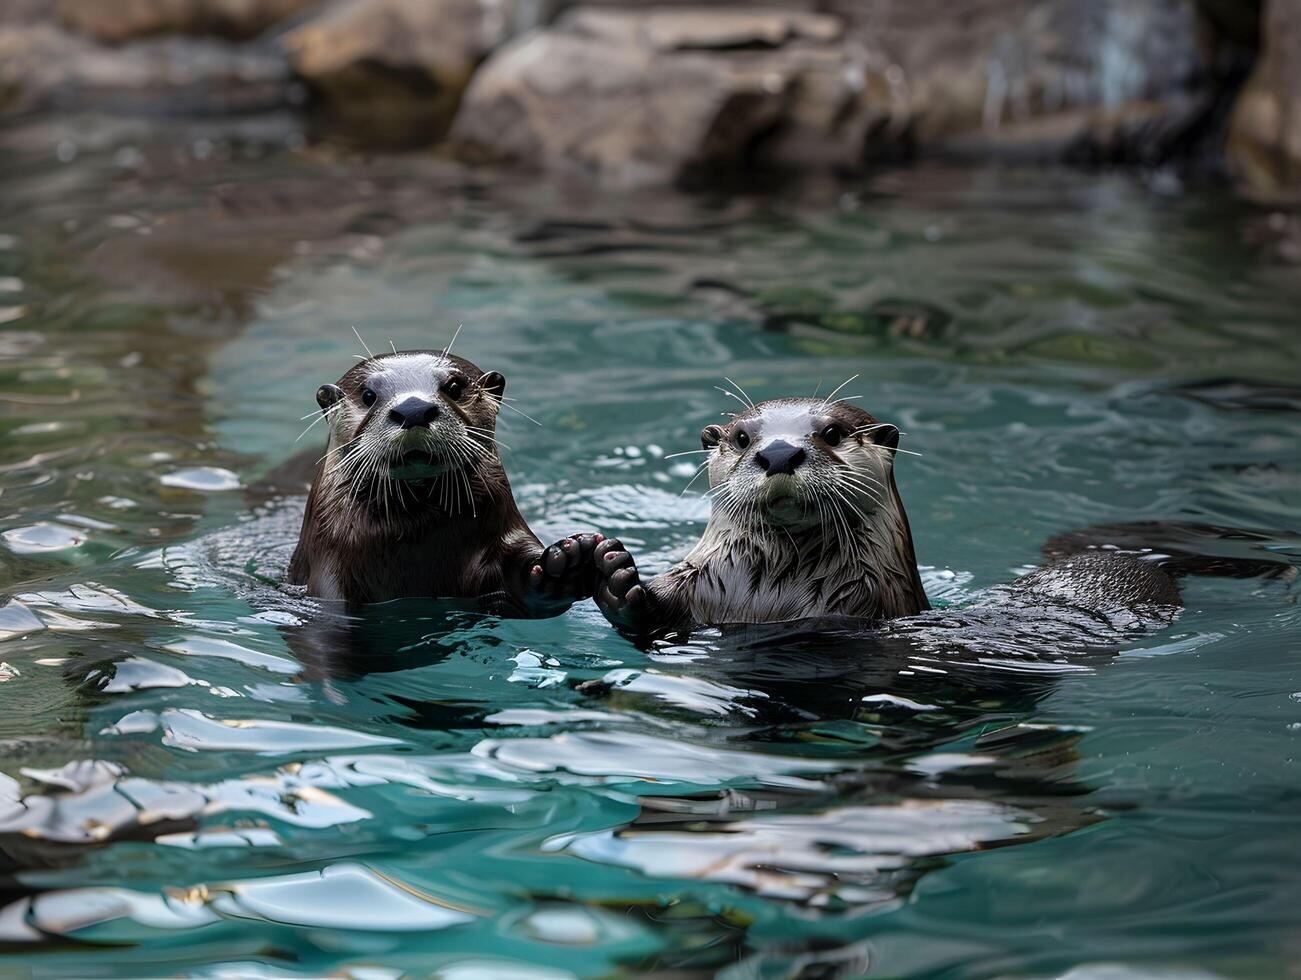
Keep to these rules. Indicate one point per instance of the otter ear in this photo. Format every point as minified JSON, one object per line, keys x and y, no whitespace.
{"x":711,"y":436}
{"x":327,"y":395}
{"x":886,"y":435}
{"x":493,"y":383}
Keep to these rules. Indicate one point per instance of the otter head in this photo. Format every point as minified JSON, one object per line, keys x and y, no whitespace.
{"x":794,"y":463}
{"x":408,"y":418}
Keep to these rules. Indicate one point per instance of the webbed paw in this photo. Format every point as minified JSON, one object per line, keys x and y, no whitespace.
{"x":565,"y":572}
{"x":619,"y":591}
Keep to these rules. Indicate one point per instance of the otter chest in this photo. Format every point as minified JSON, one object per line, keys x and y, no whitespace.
{"x":745,"y":588}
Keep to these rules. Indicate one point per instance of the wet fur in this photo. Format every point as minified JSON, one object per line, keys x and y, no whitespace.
{"x":856,"y":560}
{"x":367,"y":537}
{"x":845,"y":550}
{"x":736,"y":576}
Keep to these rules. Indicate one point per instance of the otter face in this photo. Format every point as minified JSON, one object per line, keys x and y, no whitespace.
{"x":411,"y":416}
{"x":794,"y":463}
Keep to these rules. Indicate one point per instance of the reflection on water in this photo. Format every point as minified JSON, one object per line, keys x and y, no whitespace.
{"x":206,"y":772}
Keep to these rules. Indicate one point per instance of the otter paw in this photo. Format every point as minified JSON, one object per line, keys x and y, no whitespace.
{"x":565,"y":572}
{"x":619,"y":592}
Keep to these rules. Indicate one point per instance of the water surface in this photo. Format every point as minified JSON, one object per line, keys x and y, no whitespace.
{"x":202,"y":774}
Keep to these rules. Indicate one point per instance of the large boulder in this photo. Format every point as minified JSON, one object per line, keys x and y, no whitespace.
{"x":123,"y":20}
{"x":654,"y":96}
{"x":399,"y":65}
{"x":635,"y":94}
{"x":1265,"y":138}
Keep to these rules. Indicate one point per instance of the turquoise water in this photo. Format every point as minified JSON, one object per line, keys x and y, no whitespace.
{"x":201,"y":777}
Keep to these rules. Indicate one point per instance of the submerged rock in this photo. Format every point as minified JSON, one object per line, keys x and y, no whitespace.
{"x":398,"y":66}
{"x":122,"y":20}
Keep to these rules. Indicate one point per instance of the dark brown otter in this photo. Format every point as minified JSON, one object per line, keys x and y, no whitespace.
{"x":410,"y":498}
{"x":807,"y":522}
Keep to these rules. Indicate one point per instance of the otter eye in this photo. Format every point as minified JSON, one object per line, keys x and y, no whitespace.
{"x":368,"y":396}
{"x":743,"y":439}
{"x":831,"y":435}
{"x":454,"y":388}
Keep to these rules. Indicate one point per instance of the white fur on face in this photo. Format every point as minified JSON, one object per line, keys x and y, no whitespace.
{"x":388,"y":449}
{"x":850,"y":484}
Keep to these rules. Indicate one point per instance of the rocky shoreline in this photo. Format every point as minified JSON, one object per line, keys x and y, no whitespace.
{"x":631,"y":94}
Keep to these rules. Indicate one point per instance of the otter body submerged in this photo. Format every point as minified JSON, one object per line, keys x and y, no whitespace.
{"x":807,"y":522}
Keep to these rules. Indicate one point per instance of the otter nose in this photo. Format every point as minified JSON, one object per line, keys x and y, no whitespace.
{"x":412,"y":412}
{"x":779,"y":457}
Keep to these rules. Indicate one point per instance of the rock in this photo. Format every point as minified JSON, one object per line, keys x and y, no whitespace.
{"x":122,"y":20}
{"x":26,"y":12}
{"x":1002,"y":76}
{"x":42,"y":67}
{"x":668,"y":29}
{"x":638,"y":97}
{"x":397,"y":64}
{"x":1265,"y":136}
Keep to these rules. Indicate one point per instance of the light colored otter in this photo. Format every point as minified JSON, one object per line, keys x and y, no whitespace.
{"x":410,"y":498}
{"x":807,"y":523}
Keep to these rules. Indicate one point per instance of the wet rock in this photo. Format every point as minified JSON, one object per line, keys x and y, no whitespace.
{"x":636,"y":95}
{"x":1265,"y":140}
{"x":1041,"y":78}
{"x":398,"y":66}
{"x":648,"y":97}
{"x":42,"y":67}
{"x":122,"y":20}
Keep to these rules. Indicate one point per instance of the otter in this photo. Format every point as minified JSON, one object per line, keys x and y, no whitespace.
{"x":411,"y":500}
{"x":806,"y":523}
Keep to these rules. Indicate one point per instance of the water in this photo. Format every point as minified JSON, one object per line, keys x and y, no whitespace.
{"x":203,"y":775}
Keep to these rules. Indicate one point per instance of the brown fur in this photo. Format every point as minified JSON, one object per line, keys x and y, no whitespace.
{"x":368,"y":537}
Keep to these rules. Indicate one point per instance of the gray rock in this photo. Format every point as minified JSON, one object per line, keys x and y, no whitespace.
{"x":122,"y":20}
{"x":639,"y":97}
{"x":43,"y":67}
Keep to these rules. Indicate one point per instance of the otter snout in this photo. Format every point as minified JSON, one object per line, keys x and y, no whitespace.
{"x":413,"y":412}
{"x":780,"y":456}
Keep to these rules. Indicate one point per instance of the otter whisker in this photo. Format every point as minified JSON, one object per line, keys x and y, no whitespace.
{"x":369,"y":355}
{"x":688,"y":452}
{"x":881,"y":425}
{"x":337,"y":449}
{"x":850,"y":473}
{"x":518,"y":412}
{"x":838,"y":387}
{"x":448,"y":348}
{"x":487,"y":434}
{"x":311,"y":425}
{"x":861,"y":481}
{"x":731,"y":394}
{"x":694,"y":477}
{"x":502,"y":400}
{"x":748,"y":400}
